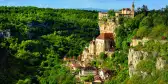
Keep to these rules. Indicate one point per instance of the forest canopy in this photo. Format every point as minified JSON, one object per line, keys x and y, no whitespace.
{"x":38,"y":38}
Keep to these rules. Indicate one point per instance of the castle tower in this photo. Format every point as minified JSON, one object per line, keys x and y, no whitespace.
{"x":132,"y":10}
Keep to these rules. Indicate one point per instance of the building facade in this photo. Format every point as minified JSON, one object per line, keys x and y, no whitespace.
{"x":126,"y":12}
{"x":105,"y":41}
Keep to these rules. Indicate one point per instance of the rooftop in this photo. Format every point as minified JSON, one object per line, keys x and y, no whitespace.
{"x":127,"y":9}
{"x":103,"y":12}
{"x":89,"y":68}
{"x":105,"y":36}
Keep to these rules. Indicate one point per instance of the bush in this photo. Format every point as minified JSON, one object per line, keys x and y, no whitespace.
{"x":103,"y":55}
{"x":89,"y":78}
{"x":142,"y":32}
{"x":158,"y":31}
{"x":146,"y":66}
{"x":26,"y":81}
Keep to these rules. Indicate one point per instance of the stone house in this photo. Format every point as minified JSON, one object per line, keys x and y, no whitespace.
{"x":86,"y":71}
{"x":126,"y":12}
{"x":105,"y":41}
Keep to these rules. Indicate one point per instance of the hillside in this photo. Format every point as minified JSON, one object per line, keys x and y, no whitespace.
{"x":147,"y":60}
{"x":33,"y":41}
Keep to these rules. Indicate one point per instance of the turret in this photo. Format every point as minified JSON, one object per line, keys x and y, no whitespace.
{"x":132,"y":10}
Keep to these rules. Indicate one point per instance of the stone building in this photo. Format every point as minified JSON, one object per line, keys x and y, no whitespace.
{"x":102,"y":15}
{"x":105,"y":41}
{"x":126,"y":12}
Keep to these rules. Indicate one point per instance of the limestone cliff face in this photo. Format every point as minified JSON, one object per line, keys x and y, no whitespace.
{"x":161,"y":63}
{"x":134,"y":57}
{"x":108,"y":26}
{"x":104,"y":42}
{"x":135,"y":42}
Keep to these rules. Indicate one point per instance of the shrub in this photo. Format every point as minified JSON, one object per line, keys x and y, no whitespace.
{"x":142,"y":32}
{"x":146,"y":66}
{"x":103,"y":55}
{"x":90,"y":78}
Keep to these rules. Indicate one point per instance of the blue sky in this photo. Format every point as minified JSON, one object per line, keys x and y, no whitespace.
{"x":101,"y":4}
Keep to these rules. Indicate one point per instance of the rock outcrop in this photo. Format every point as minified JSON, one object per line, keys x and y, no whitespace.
{"x":134,"y":57}
{"x":161,"y":63}
{"x":108,"y":26}
{"x":135,"y":42}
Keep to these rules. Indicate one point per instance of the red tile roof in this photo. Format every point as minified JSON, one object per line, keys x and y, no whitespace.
{"x":75,"y":65}
{"x":105,"y":36}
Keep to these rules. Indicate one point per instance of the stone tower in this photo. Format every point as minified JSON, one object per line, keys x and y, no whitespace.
{"x":132,"y":10}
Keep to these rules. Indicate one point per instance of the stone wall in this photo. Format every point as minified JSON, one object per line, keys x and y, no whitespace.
{"x":92,"y":47}
{"x":100,"y":46}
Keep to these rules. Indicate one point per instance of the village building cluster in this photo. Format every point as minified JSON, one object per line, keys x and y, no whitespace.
{"x":103,"y":43}
{"x":99,"y":74}
{"x":126,"y":12}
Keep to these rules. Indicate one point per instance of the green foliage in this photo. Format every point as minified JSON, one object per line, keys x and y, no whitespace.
{"x":125,"y":45}
{"x":142,"y":32}
{"x":155,"y":49}
{"x":143,"y":9}
{"x":159,"y":47}
{"x":111,"y":13}
{"x":146,"y":22}
{"x":103,"y":56}
{"x":146,"y":66}
{"x":157,"y":77}
{"x":121,"y":20}
{"x":151,"y":24}
{"x":118,"y":63}
{"x":26,"y":81}
{"x":89,"y":78}
{"x":40,"y":38}
{"x":158,"y":31}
